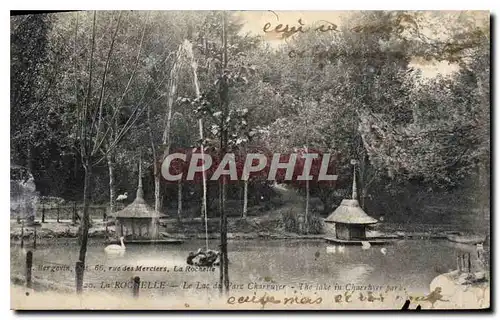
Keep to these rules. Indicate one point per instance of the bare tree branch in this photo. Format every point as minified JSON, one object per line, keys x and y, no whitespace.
{"x":103,"y":85}
{"x":83,"y":140}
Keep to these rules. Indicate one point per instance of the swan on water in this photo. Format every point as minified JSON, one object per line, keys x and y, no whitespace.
{"x":115,"y":247}
{"x":384,"y":251}
{"x":341,"y":249}
{"x":365,"y":245}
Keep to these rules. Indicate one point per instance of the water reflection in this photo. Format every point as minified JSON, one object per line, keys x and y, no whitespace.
{"x":359,"y":272}
{"x":411,"y":264}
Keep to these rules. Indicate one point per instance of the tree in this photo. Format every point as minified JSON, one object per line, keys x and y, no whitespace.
{"x":99,"y":118}
{"x":214,"y":102}
{"x":38,"y":130}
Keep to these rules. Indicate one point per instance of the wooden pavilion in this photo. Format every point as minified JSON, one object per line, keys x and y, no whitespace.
{"x":137,"y":221}
{"x":350,"y":220}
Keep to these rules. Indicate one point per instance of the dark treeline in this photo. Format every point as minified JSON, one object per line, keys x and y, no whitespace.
{"x":115,"y":87}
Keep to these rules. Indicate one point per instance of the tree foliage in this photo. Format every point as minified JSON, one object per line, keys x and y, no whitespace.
{"x":357,"y":92}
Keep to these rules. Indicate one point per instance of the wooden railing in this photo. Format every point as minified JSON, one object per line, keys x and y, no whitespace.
{"x":69,"y":211}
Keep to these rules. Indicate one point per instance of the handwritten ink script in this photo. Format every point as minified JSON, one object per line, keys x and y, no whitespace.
{"x":300,"y":299}
{"x":287,"y":30}
{"x":399,"y":25}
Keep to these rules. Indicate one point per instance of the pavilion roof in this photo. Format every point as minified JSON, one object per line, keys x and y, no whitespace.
{"x":350,"y":212}
{"x":138,"y":208}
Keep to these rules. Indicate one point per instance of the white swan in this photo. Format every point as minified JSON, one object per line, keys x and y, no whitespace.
{"x":365,"y":245}
{"x":122,"y":197}
{"x":341,"y":249}
{"x":115,"y":247}
{"x":384,"y":251}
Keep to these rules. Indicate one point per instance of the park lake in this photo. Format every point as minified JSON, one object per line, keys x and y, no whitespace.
{"x":294,"y":264}
{"x":396,"y":103}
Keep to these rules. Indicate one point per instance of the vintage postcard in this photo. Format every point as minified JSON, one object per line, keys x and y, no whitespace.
{"x":250,"y":160}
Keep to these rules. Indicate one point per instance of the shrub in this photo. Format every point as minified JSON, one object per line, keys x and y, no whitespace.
{"x":291,"y":223}
{"x":315,"y":224}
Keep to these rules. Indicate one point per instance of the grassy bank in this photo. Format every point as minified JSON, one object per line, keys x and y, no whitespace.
{"x":270,"y":226}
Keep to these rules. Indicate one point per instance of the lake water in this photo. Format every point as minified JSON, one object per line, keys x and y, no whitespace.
{"x":411,"y":264}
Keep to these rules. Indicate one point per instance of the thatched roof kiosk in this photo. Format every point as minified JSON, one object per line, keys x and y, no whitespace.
{"x":137,"y":220}
{"x":350,"y":220}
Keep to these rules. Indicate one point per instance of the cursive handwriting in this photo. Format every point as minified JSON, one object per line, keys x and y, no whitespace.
{"x":286,"y":30}
{"x":265,"y":299}
{"x":347,"y":297}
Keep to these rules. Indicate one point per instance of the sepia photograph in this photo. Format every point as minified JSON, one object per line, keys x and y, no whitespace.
{"x":250,"y":160}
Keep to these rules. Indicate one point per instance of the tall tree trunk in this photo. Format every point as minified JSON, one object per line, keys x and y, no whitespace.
{"x":172,"y":91}
{"x":179,"y":200}
{"x":30,"y":213}
{"x":306,"y":217}
{"x":112,"y":184}
{"x":156,"y":165}
{"x":30,"y":161}
{"x":204,"y":199}
{"x":224,"y":139}
{"x":85,"y":222}
{"x":223,"y":90}
{"x":222,"y":253}
{"x":157,"y":192}
{"x":224,"y":228}
{"x":245,"y":198}
{"x":189,"y":54}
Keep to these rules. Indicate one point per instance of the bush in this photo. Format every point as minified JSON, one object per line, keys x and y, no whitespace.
{"x":315,"y":224}
{"x":291,"y":223}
